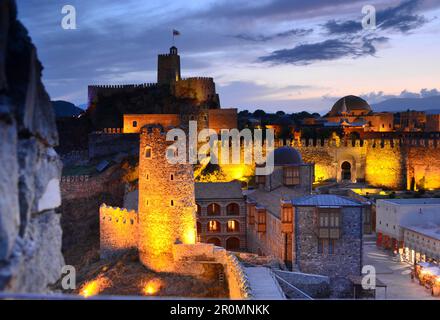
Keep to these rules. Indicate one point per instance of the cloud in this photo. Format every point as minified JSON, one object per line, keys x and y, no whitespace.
{"x":376,"y":97}
{"x":401,"y":18}
{"x":265,"y":38}
{"x":332,"y":49}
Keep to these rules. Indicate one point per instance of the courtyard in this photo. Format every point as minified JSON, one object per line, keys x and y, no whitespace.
{"x":395,"y":274}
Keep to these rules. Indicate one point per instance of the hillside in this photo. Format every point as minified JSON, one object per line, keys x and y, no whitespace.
{"x":64,"y":109}
{"x":402,"y":104}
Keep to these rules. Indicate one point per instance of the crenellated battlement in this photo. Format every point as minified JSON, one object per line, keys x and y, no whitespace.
{"x":116,"y":215}
{"x":372,"y":143}
{"x":75,"y":179}
{"x":124,"y":86}
{"x":118,"y":230}
{"x":208,"y":79}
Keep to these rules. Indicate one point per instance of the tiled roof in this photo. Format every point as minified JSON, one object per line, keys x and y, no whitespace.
{"x":272,"y":200}
{"x":326,"y":200}
{"x":218,"y":190}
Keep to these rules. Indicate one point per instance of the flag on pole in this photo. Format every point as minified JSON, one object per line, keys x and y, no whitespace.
{"x":176,"y":32}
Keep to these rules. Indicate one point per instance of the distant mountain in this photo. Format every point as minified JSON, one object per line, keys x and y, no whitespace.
{"x":431,"y":104}
{"x":65,"y":109}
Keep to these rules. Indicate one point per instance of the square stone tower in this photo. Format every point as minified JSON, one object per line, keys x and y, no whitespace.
{"x":168,"y":67}
{"x":167,"y":207}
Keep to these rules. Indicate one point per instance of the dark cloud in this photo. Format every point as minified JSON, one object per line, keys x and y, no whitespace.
{"x":402,"y":18}
{"x":265,"y":38}
{"x":326,"y":50}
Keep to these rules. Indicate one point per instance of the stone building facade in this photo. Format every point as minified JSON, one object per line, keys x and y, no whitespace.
{"x":328,"y":231}
{"x":221,"y":214}
{"x":269,"y":204}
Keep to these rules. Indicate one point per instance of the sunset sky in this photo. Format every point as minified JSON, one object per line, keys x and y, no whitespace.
{"x":289,"y":55}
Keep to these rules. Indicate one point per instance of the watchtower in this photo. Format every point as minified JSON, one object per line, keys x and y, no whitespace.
{"x":168,"y":67}
{"x":167,"y":208}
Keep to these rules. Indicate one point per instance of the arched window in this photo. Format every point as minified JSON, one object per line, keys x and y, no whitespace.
{"x":199,"y":209}
{"x":346,"y":170}
{"x":214,"y":226}
{"x":213,"y":209}
{"x":233,"y":244}
{"x":135,"y":124}
{"x":215,"y":241}
{"x":233,"y":226}
{"x":199,"y":228}
{"x":232,"y":209}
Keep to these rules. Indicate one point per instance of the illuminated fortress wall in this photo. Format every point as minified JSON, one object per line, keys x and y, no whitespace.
{"x":390,"y":163}
{"x":200,"y":88}
{"x":424,"y":164}
{"x":385,"y":164}
{"x":167,"y":208}
{"x":118,"y":230}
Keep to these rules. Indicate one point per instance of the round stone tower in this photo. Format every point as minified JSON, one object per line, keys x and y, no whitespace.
{"x":167,"y":208}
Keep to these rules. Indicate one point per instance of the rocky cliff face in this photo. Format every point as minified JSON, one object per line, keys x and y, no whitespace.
{"x":30,"y":232}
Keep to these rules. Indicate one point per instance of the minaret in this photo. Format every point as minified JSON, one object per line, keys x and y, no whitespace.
{"x":344,"y":109}
{"x":167,"y":208}
{"x":168,"y":67}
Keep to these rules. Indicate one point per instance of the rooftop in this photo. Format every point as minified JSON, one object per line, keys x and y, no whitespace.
{"x":218,"y":190}
{"x":415,"y":201}
{"x":431,"y":231}
{"x":326,"y":200}
{"x":272,"y":200}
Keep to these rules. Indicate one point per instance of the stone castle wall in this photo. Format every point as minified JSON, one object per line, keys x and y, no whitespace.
{"x":106,"y":90}
{"x":200,"y":88}
{"x":104,"y":144}
{"x":389,"y":163}
{"x":118,"y":230}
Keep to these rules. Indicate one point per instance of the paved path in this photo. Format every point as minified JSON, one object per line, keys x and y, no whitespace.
{"x":395,"y":274}
{"x":263,"y":284}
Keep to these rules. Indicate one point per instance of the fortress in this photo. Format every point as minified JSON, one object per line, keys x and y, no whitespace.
{"x":171,"y":97}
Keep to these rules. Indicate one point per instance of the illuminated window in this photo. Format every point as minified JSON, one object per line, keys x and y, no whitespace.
{"x":148,"y":153}
{"x":213,"y":209}
{"x":233,"y":226}
{"x":287,"y":214}
{"x":135,"y":124}
{"x":213,"y":226}
{"x":291,"y":176}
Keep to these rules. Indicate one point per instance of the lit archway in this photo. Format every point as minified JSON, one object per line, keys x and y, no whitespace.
{"x":214,"y":226}
{"x":233,"y":226}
